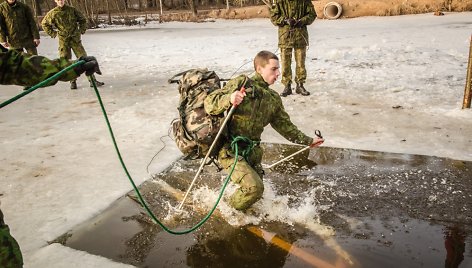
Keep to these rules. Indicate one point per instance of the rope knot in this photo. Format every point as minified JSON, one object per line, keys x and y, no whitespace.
{"x":248,"y":145}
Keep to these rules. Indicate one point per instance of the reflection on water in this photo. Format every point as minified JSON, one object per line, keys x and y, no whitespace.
{"x":327,"y":208}
{"x":454,"y":241}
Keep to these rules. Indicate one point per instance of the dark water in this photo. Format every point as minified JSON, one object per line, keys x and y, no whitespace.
{"x":386,"y":210}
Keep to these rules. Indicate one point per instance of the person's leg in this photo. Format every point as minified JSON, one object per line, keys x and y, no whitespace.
{"x":65,"y":52}
{"x":250,"y":182}
{"x":300,"y":69}
{"x":300,"y":57}
{"x":286,"y":62}
{"x":10,"y":253}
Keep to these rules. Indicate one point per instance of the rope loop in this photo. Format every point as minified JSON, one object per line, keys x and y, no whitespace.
{"x":248,"y":146}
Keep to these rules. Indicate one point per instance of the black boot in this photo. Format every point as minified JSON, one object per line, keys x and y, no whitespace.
{"x":73,"y":84}
{"x":301,"y":90}
{"x":287,"y":90}
{"x":98,"y":83}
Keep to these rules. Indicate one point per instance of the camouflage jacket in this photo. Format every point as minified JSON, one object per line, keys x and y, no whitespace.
{"x":23,"y":70}
{"x":303,"y":10}
{"x":17,"y":25}
{"x":261,"y":106}
{"x":68,"y":21}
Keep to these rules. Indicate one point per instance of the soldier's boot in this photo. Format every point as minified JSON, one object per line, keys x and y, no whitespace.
{"x":301,"y":90}
{"x":287,"y":90}
{"x":73,"y":84}
{"x":98,"y":83}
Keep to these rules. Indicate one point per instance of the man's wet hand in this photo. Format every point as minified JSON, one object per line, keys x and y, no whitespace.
{"x":316,"y":142}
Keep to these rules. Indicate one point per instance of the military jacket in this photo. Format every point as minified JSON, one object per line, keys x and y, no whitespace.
{"x":261,"y":106}
{"x":68,"y":21}
{"x":23,"y":70}
{"x":303,"y":10}
{"x":17,"y":25}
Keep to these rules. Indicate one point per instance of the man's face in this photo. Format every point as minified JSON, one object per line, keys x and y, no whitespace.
{"x":11,"y":1}
{"x":59,"y":3}
{"x":270,"y":72}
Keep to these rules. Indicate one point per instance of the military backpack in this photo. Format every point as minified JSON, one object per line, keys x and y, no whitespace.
{"x":195,"y":130}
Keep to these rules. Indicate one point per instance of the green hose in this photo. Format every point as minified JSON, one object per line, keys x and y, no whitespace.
{"x":141,"y":199}
{"x":154,"y":218}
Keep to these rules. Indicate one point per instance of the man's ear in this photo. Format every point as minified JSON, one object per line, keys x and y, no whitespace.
{"x":258,"y":69}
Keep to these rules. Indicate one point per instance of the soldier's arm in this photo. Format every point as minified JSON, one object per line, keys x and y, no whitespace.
{"x":310,"y":14}
{"x":21,"y":69}
{"x":3,"y":28}
{"x":82,"y":21}
{"x":276,"y":16}
{"x":284,"y":126}
{"x":220,"y":100}
{"x":32,"y":23}
{"x":47,"y":25}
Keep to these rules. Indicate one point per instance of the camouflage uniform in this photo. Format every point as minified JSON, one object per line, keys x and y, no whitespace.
{"x":20,"y":69}
{"x":10,"y":254}
{"x":293,"y":38}
{"x":261,"y":106}
{"x":18,"y":27}
{"x":70,"y":25}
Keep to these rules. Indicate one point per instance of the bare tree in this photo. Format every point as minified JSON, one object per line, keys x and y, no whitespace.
{"x":193,"y":7}
{"x":108,"y":11}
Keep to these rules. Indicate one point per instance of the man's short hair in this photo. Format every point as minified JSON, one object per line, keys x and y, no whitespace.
{"x":262,"y":58}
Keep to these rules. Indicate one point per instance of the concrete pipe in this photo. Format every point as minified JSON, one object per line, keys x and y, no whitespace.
{"x":332,"y":10}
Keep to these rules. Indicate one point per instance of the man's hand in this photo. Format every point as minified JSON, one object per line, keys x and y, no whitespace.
{"x":5,"y":44}
{"x":89,"y":67}
{"x":290,"y":21}
{"x":237,"y":97}
{"x":317,"y":141}
{"x":36,"y":42}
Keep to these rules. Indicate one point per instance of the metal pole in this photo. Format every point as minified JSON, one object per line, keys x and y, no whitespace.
{"x":468,"y":81}
{"x":288,"y":157}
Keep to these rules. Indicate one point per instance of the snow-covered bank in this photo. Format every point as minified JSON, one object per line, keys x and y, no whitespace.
{"x":58,"y":164}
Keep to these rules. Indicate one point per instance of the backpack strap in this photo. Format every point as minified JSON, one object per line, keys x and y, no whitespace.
{"x":173,"y":81}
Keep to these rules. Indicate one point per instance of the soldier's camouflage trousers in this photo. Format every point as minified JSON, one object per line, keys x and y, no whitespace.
{"x":286,"y":61}
{"x":10,"y":254}
{"x":68,"y":44}
{"x":247,"y":175}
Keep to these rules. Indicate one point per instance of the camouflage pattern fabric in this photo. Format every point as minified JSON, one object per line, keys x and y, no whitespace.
{"x":286,"y":64}
{"x":10,"y":254}
{"x":66,"y":45}
{"x":303,"y":10}
{"x":195,"y":130}
{"x":18,"y":27}
{"x":20,"y":69}
{"x":261,"y":106}
{"x":69,"y":24}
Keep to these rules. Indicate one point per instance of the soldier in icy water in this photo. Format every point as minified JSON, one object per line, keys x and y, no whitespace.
{"x":258,"y":107}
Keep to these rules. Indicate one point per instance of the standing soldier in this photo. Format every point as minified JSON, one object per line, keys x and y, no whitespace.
{"x":292,"y":17}
{"x":18,"y":29}
{"x":69,"y":24}
{"x":247,"y":125}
